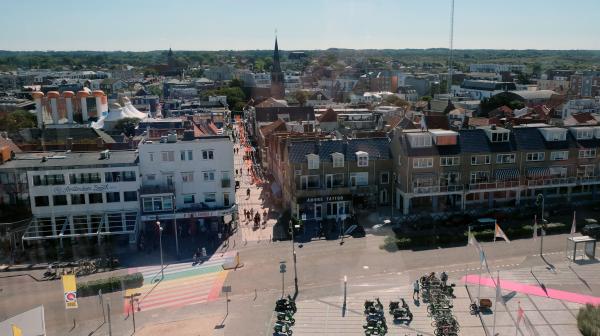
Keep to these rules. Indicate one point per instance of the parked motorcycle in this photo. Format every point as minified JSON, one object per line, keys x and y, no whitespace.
{"x":286,"y":317}
{"x":282,"y":327}
{"x":400,"y":312}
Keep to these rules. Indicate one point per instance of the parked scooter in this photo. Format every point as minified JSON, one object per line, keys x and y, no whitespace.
{"x":282,"y":327}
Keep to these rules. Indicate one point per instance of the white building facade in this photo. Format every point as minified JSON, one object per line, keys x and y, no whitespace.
{"x":190,"y":180}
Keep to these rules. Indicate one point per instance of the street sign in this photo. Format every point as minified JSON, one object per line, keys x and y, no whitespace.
{"x":70,"y":291}
{"x":282,"y":267}
{"x":226,"y":289}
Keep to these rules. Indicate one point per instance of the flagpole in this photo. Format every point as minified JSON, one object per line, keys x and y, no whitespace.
{"x":495,"y":305}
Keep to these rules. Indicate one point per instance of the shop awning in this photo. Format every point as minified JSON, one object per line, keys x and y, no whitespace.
{"x":536,"y":172}
{"x":509,"y":174}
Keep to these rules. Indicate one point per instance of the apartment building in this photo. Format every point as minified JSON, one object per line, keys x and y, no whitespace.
{"x":188,"y":180}
{"x":440,"y":170}
{"x":78,"y":194}
{"x":329,"y":178}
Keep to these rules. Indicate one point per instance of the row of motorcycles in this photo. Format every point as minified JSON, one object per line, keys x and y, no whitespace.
{"x":374,"y":313}
{"x":285,"y":309}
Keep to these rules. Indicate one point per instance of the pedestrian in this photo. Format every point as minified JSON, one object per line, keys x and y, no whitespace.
{"x":245,"y":214}
{"x":248,"y":193}
{"x":265,"y":215}
{"x":236,"y":172}
{"x":251,"y":212}
{"x":248,"y":171}
{"x":416,"y":289}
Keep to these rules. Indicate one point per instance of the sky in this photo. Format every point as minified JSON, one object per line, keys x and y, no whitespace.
{"x":302,"y":24}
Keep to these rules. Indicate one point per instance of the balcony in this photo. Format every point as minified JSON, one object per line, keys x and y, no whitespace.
{"x":499,"y":185}
{"x":553,"y":182}
{"x":225,"y":183}
{"x":157,"y":189}
{"x":437,"y":189}
{"x":588,"y":180}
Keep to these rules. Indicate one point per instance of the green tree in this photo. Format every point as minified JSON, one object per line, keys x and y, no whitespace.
{"x":14,"y":121}
{"x":155,"y":90}
{"x":301,"y":96}
{"x":236,"y":98}
{"x":127,"y":126}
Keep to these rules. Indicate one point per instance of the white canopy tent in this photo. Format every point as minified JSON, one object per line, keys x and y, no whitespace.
{"x":117,"y":112}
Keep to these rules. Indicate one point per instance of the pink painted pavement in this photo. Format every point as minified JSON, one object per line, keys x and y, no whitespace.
{"x":533,"y":290}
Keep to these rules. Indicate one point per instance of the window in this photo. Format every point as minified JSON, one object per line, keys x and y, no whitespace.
{"x":359,"y":179}
{"x":587,"y":153}
{"x":585,"y":133}
{"x":112,"y":176}
{"x":313,"y":161}
{"x":151,"y":177}
{"x":168,"y":156}
{"x":95,"y":198}
{"x":130,"y":196}
{"x":207,"y":154}
{"x":535,"y":156}
{"x":84,"y":178}
{"x":151,"y":155}
{"x":113,"y":197}
{"x":480,"y":160}
{"x":506,"y":158}
{"x":585,"y":171}
{"x":362,"y":159}
{"x":77,"y":199}
{"x":446,"y":161}
{"x":128,"y":176}
{"x":338,"y":160}
{"x":559,"y":156}
{"x":189,"y":199}
{"x":479,"y":177}
{"x":210,"y":197}
{"x":190,"y":155}
{"x":157,"y":203}
{"x":500,"y":136}
{"x":182,"y":155}
{"x":334,"y":180}
{"x":209,"y":175}
{"x":55,"y":179}
{"x":449,"y":178}
{"x":420,"y":140}
{"x":310,"y":182}
{"x":59,"y":200}
{"x":187,"y":177}
{"x":422,"y":163}
{"x":384,"y":178}
{"x":41,"y":201}
{"x":226,"y":201}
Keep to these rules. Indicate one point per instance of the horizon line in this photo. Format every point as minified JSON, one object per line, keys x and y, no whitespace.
{"x":241,"y":50}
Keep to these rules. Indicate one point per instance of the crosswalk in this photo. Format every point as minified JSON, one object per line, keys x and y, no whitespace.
{"x":183,"y":284}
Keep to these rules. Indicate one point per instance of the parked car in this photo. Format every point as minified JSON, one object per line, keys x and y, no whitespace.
{"x":592,"y":230}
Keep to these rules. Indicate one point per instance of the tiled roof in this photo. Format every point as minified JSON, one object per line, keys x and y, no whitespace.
{"x":277,"y":125}
{"x":378,"y":148}
{"x":296,"y":113}
{"x":9,"y":144}
{"x":473,"y":141}
{"x":583,"y":117}
{"x":529,"y":138}
{"x":437,"y":122}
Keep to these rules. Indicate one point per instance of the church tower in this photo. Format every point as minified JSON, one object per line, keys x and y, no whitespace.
{"x":277,"y":78}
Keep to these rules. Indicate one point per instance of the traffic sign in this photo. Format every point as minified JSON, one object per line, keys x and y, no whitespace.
{"x":282,"y":267}
{"x":226,"y":289}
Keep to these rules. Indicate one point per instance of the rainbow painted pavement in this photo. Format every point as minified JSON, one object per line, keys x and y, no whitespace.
{"x":184,"y":284}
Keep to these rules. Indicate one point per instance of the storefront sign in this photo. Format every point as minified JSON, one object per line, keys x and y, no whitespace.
{"x":72,"y":189}
{"x":191,"y":214}
{"x":321,"y":199}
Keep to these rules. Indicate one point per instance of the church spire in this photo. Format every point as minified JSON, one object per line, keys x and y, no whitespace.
{"x":276,"y":64}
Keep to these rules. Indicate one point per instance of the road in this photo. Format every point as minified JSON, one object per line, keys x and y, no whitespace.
{"x":321,"y":267}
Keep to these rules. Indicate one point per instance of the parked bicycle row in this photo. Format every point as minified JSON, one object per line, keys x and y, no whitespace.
{"x":438,"y":294}
{"x":80,"y":267}
{"x":285,"y":309}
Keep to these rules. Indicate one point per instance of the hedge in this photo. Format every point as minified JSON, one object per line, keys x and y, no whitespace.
{"x":401,"y":241}
{"x":112,"y":284}
{"x":588,"y":320}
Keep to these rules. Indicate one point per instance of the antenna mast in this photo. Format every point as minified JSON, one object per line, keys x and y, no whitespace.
{"x":450,"y":57}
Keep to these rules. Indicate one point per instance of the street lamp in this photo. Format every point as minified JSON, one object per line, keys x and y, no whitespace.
{"x":293,"y":227}
{"x":133,"y":298}
{"x":540,"y":201}
{"x":160,"y":230}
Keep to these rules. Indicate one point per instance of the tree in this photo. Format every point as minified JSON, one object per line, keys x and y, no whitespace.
{"x":588,"y":320}
{"x":236,"y":83}
{"x":396,"y":101}
{"x":14,"y":121}
{"x":127,"y":126}
{"x":155,"y":90}
{"x":301,"y":96}
{"x":236,"y":98}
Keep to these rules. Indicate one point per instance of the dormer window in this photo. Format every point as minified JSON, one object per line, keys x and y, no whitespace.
{"x":584,"y":133}
{"x":313,"y":161}
{"x":362,"y":159}
{"x":420,"y":140}
{"x":338,"y":160}
{"x":500,"y":136}
{"x":554,"y":133}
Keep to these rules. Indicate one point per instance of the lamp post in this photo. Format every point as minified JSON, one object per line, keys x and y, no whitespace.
{"x":160,"y":230}
{"x":293,"y":227}
{"x":344,"y":306}
{"x":132,"y":299}
{"x":175,"y":228}
{"x":540,"y":201}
